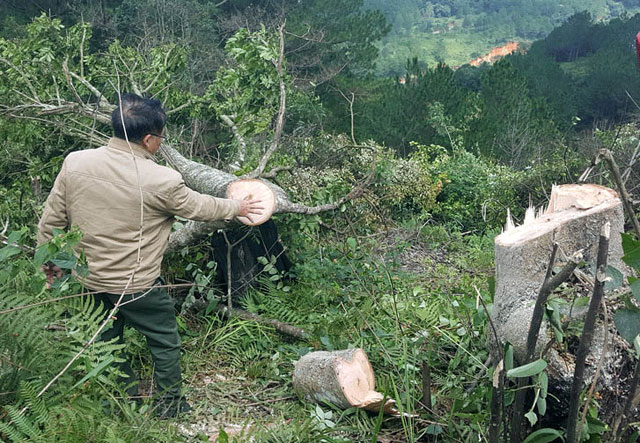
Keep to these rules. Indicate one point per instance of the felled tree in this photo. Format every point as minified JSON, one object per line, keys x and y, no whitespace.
{"x":51,"y":78}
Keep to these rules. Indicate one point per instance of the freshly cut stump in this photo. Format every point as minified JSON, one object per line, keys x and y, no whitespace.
{"x":341,"y":378}
{"x":574,"y":219}
{"x":257,"y":190}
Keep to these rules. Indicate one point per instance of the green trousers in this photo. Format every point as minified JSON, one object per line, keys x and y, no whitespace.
{"x":152,"y":315}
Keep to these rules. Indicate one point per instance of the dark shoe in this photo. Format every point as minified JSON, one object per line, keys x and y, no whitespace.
{"x":170,"y":408}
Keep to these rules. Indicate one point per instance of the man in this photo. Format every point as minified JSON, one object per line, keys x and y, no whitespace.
{"x":124,"y":204}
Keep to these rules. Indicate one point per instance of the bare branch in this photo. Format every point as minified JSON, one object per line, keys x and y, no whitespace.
{"x":350,"y":101}
{"x":102,"y":101}
{"x":65,"y":69}
{"x":275,"y":142}
{"x":275,"y":171}
{"x":179,"y":108}
{"x":242,"y":149}
{"x":155,"y":79}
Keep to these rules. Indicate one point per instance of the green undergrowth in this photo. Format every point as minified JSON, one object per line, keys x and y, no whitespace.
{"x":406,"y":295}
{"x":354,"y":292}
{"x":54,"y":388}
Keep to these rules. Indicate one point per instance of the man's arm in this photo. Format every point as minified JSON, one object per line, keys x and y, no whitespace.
{"x":55,"y":209}
{"x":192,"y":205}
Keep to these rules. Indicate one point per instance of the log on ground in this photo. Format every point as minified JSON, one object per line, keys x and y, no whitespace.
{"x":341,"y":378}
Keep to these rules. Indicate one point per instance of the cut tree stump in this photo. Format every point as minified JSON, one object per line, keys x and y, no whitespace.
{"x":574,"y":219}
{"x":341,"y":378}
{"x":256,"y":190}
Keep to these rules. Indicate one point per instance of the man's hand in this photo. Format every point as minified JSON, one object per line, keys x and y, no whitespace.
{"x":51,"y":271}
{"x":249,"y":207}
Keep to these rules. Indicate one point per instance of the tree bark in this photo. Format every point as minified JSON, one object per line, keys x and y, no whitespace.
{"x":573,"y":220}
{"x":341,"y":378}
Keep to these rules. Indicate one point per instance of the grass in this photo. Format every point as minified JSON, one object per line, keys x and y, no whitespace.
{"x":406,"y":296}
{"x":239,"y":372}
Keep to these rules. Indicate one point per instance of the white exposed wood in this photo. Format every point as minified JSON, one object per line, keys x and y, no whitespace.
{"x":255,"y":190}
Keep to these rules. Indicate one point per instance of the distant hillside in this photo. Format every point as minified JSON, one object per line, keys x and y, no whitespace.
{"x":497,"y":53}
{"x":458,"y":31}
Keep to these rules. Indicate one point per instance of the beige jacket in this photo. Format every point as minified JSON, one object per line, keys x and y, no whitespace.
{"x":97,"y":190}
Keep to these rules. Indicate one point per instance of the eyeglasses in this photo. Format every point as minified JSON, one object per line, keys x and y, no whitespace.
{"x":163,"y":137}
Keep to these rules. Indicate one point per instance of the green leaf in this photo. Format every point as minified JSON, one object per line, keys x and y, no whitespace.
{"x":543,"y":381}
{"x":508,"y":357}
{"x":8,"y":251}
{"x":631,"y":249}
{"x":434,"y":429}
{"x":629,"y":243}
{"x":553,"y":315}
{"x":42,"y":255}
{"x":64,"y":261}
{"x":596,"y":426}
{"x":15,"y":236}
{"x":542,"y":405}
{"x":212,"y":305}
{"x":533,"y":368}
{"x":616,"y":279}
{"x":351,"y":242}
{"x":635,"y":288}
{"x":492,"y":286}
{"x":532,"y":417}
{"x":627,"y":323}
{"x":544,"y":435}
{"x":95,"y":371}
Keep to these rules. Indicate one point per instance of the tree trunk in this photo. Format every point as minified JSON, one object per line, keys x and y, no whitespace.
{"x":574,"y":218}
{"x":244,"y":256}
{"x":341,"y":378}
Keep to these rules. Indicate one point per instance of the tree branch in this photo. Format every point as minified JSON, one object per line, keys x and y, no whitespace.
{"x":281,"y":112}
{"x":587,"y":331}
{"x":242,"y":149}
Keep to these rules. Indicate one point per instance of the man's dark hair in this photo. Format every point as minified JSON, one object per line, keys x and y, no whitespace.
{"x":141,"y":116}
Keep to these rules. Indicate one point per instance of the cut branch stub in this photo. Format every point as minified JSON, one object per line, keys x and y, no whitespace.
{"x":252,"y":189}
{"x":341,"y":378}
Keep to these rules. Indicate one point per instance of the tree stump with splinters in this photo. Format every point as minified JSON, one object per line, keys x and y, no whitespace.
{"x":573,"y":219}
{"x":341,"y":378}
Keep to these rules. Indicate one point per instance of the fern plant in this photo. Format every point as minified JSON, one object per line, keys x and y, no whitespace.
{"x":40,"y":332}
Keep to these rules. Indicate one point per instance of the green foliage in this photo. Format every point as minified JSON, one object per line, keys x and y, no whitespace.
{"x":457,"y":31}
{"x":426,"y":106}
{"x":513,"y":125}
{"x":628,"y":319}
{"x":410,"y":183}
{"x":249,"y":91}
{"x":544,"y":435}
{"x":343,"y":38}
{"x":40,"y":331}
{"x":475,"y":192}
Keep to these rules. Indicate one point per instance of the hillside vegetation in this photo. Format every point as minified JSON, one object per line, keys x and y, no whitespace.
{"x":403,"y":268}
{"x":457,"y":31}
